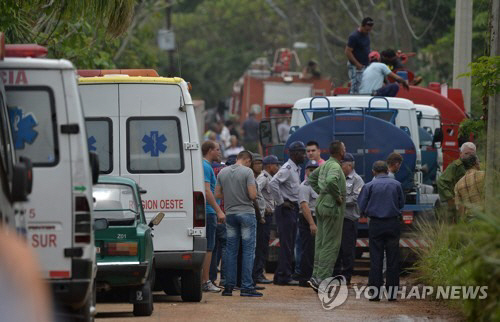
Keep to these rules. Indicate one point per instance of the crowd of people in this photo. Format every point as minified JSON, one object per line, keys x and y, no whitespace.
{"x":233,"y":137}
{"x":317,"y":216}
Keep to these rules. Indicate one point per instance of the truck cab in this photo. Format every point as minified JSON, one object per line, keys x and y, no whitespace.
{"x":47,"y":124}
{"x":431,"y":135}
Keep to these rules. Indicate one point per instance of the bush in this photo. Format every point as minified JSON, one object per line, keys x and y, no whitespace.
{"x":464,"y":254}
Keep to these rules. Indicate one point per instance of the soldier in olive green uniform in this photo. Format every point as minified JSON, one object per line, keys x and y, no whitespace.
{"x":447,"y":181}
{"x":329,"y":182}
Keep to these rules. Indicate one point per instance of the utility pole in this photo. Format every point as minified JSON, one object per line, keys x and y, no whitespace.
{"x":171,"y":66}
{"x":493,"y":135}
{"x":462,"y":50}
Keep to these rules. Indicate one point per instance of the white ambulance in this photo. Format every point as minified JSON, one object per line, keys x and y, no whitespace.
{"x":48,"y":128}
{"x":144,"y":128}
{"x":15,"y":176}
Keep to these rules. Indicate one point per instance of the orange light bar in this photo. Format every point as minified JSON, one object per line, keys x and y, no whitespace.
{"x":129,"y":72}
{"x":122,"y":249}
{"x":28,"y":50}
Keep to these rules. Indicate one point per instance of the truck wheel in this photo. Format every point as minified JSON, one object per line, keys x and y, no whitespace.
{"x":191,"y":286}
{"x":146,"y":308}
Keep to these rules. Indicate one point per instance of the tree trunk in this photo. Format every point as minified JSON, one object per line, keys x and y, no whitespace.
{"x":493,"y":135}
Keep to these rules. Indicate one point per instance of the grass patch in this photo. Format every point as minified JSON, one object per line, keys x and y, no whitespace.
{"x":467,"y":253}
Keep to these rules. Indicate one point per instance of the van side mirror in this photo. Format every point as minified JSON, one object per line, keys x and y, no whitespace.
{"x":156,"y":219}
{"x":438,"y":137}
{"x":94,"y":166}
{"x":265,"y":133}
{"x":22,"y":180}
{"x":142,"y":191}
{"x":100,"y":224}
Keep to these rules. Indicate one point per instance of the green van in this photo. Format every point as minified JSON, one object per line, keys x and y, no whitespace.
{"x":125,"y":257}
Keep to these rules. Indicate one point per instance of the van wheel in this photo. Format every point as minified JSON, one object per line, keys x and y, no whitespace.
{"x":146,"y":308}
{"x":191,"y":286}
{"x":171,"y":285}
{"x":87,"y":311}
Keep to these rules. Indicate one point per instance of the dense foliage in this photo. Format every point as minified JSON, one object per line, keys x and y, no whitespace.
{"x":218,"y":39}
{"x":465,"y":254}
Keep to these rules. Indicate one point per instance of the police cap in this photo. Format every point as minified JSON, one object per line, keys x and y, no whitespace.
{"x":297,"y":146}
{"x":348,"y":158}
{"x":256,"y":157}
{"x":271,"y":159}
{"x":312,"y":164}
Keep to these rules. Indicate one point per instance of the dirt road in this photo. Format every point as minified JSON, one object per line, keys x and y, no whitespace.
{"x":281,"y":303}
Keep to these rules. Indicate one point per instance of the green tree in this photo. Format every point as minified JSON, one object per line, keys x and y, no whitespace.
{"x":81,"y":31}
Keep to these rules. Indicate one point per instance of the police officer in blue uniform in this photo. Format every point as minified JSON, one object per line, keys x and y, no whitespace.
{"x":285,"y":190}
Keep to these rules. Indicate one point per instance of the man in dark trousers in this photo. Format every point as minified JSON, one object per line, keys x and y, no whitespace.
{"x":271,"y":167}
{"x":357,"y":51}
{"x":285,"y":190}
{"x":354,"y":183}
{"x":382,"y":200}
{"x":307,"y":225}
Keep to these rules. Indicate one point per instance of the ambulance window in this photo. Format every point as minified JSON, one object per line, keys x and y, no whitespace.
{"x":154,"y":145}
{"x":100,"y":140}
{"x":429,"y":130}
{"x":33,"y":123}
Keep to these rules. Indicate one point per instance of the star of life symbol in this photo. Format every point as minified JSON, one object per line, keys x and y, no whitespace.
{"x":22,"y":125}
{"x":154,"y":144}
{"x":333,"y":292}
{"x":91,"y":141}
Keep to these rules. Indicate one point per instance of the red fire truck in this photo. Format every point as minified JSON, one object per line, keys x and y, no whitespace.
{"x":270,"y":90}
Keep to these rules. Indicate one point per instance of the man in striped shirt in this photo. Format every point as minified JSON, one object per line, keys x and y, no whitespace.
{"x":469,"y":190}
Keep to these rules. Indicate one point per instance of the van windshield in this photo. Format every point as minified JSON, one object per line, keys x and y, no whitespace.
{"x":115,"y":202}
{"x":33,"y":123}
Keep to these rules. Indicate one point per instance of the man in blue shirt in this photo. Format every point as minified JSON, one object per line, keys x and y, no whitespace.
{"x":382,"y":200}
{"x":372,"y":82}
{"x":357,"y":51}
{"x":211,"y":152}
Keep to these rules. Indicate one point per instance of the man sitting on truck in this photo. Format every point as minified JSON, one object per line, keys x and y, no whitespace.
{"x":372,"y":82}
